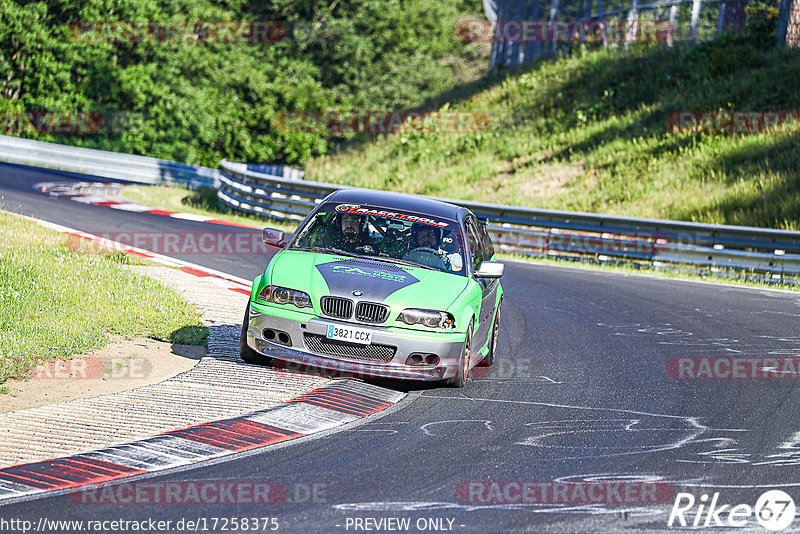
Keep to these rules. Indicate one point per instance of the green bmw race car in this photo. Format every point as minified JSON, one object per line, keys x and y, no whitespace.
{"x":376,"y":284}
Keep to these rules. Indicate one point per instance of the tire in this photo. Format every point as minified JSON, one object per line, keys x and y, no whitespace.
{"x":245,"y":352}
{"x":488,"y":360}
{"x":460,"y":379}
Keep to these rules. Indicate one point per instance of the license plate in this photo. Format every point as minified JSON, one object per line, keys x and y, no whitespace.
{"x":348,"y":333}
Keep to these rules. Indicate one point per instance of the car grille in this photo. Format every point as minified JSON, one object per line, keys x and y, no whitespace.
{"x":369,"y":312}
{"x":349,"y":351}
{"x":337,"y":307}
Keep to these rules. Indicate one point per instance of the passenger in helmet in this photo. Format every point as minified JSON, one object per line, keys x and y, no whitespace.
{"x":424,"y":247}
{"x":426,"y":237}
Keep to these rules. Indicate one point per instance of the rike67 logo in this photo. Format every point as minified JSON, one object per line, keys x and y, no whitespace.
{"x":774,"y":510}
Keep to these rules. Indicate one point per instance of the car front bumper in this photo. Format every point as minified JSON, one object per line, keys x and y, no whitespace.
{"x":301,"y":327}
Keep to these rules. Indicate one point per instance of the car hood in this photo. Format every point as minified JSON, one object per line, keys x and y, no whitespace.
{"x":327,"y":274}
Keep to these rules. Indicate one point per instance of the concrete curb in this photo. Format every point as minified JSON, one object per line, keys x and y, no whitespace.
{"x":321,"y":409}
{"x":162,"y":425}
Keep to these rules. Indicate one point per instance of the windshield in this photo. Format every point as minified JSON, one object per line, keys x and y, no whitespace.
{"x":384,"y":233}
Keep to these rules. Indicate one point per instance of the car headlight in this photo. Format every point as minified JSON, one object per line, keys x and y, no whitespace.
{"x":429,"y":318}
{"x":284,"y":295}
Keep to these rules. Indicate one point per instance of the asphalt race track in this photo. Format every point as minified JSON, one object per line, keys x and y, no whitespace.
{"x":580,"y":392}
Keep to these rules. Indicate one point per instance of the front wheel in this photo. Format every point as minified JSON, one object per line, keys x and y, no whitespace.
{"x":460,"y":379}
{"x":245,"y":351}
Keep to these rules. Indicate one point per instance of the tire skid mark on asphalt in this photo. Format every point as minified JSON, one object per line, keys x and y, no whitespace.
{"x":695,"y":443}
{"x":686,"y":431}
{"x":487,"y":424}
{"x":295,"y":418}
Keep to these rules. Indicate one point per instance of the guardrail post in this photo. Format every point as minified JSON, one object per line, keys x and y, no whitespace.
{"x":695,"y":17}
{"x":783,"y":12}
{"x":498,"y":47}
{"x":673,"y":22}
{"x":602,"y":22}
{"x":587,"y":16}
{"x":632,"y":24}
{"x":516,"y":47}
{"x":551,"y":48}
{"x":782,"y":33}
{"x":537,"y":43}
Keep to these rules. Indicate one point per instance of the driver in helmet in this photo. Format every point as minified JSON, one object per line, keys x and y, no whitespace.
{"x":349,"y":233}
{"x":353,"y":229}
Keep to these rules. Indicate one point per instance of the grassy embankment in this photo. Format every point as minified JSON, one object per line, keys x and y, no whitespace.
{"x":590,"y":132}
{"x":59,"y":297}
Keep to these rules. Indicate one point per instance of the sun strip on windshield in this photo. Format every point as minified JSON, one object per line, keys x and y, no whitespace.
{"x":358,"y":209}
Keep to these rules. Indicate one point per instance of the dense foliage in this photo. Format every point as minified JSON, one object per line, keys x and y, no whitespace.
{"x":201,"y":99}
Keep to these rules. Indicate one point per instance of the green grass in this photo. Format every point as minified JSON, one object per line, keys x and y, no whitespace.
{"x":59,"y":298}
{"x":589,"y":132}
{"x":201,"y":201}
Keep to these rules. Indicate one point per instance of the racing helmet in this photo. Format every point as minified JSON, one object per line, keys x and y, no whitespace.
{"x":418,"y":228}
{"x":362,"y":225}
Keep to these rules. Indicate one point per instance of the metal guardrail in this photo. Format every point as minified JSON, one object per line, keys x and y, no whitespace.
{"x":770,"y":254}
{"x":265,"y":194}
{"x":282,"y":193}
{"x":119,"y":166}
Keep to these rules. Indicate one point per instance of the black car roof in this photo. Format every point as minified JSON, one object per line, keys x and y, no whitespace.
{"x":400,"y":201}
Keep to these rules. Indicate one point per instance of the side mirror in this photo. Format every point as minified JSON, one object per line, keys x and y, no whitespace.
{"x":490,"y":269}
{"x":274,"y":237}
